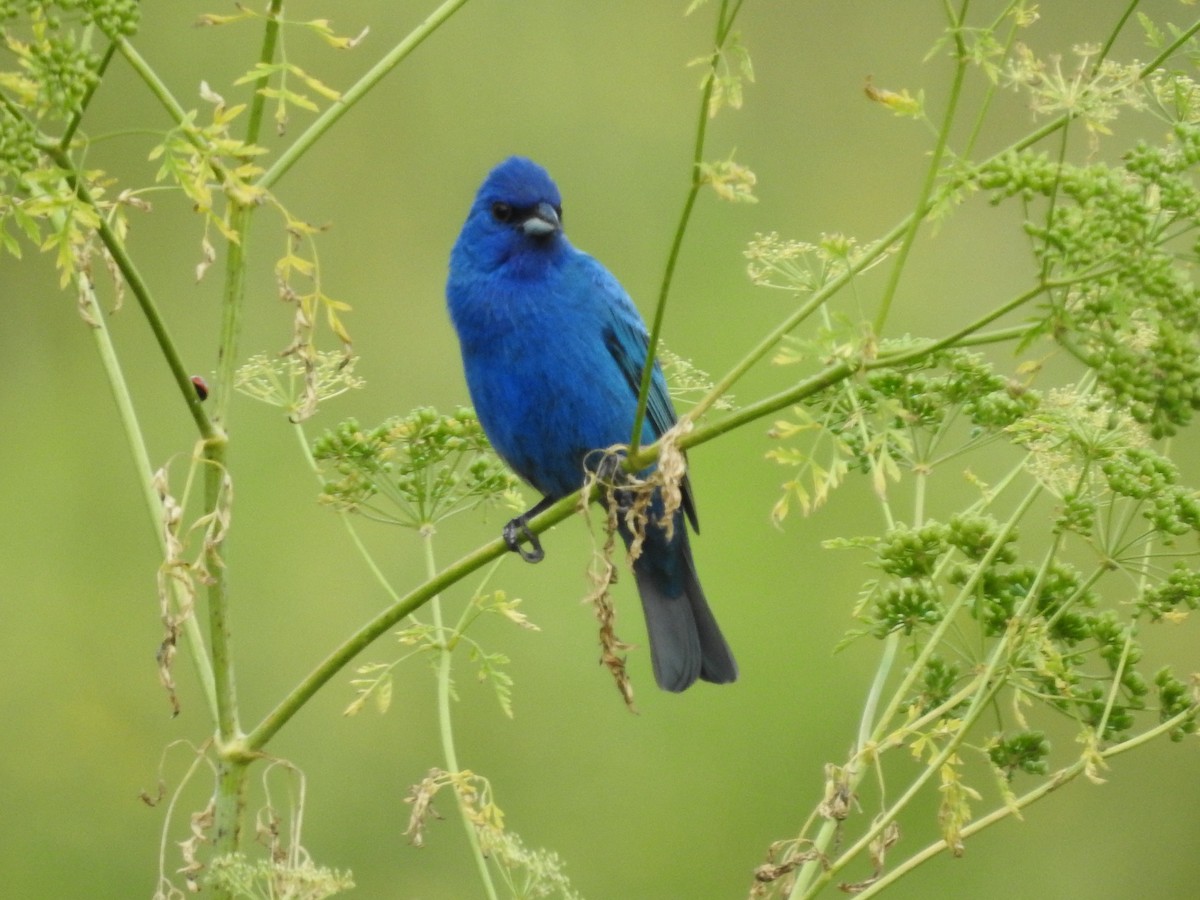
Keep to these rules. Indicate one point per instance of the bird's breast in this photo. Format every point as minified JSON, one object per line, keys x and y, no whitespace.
{"x":547,"y":390}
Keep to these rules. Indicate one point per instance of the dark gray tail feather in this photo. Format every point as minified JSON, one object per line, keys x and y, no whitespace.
{"x":685,"y":641}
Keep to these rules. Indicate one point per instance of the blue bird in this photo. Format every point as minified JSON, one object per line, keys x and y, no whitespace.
{"x":553,"y":350}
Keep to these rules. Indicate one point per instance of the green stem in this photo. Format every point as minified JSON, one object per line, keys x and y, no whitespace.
{"x":229,"y":801}
{"x":931,"y":173}
{"x":866,"y":723}
{"x":364,"y":636}
{"x":77,"y":117}
{"x":150,"y":78}
{"x":1112,"y":37}
{"x":1118,"y":676}
{"x":446,"y":637}
{"x":722,"y":33}
{"x":141,"y":292}
{"x":356,"y":92}
{"x":265,"y":56}
{"x":836,"y":372}
{"x":145,"y":471}
{"x":306,"y":450}
{"x":1014,"y":806}
{"x":232,"y":306}
{"x":240,"y":217}
{"x":813,"y":875}
{"x":216,"y":504}
{"x":231,"y":749}
{"x":176,"y":111}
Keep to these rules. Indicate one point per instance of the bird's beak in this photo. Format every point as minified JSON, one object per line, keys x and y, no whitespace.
{"x":542,"y":221}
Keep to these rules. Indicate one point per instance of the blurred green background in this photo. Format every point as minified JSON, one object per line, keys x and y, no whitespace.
{"x":680,"y":801}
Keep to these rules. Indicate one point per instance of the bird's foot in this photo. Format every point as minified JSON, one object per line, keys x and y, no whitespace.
{"x":517,"y":530}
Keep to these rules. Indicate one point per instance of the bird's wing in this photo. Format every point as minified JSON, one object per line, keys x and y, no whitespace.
{"x":626,"y":339}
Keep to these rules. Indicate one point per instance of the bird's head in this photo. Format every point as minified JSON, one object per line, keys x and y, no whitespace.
{"x":517,"y":214}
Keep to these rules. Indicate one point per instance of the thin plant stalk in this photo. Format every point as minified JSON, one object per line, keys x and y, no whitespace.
{"x":1014,"y":806}
{"x":446,"y":639}
{"x":814,"y":874}
{"x":924,"y":200}
{"x":725,"y":20}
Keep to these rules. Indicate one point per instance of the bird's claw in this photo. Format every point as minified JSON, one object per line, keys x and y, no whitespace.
{"x":516,"y":531}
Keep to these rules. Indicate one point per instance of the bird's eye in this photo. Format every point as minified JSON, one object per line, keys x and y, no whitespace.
{"x":501,"y":211}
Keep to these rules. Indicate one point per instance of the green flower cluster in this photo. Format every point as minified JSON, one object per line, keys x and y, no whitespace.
{"x":18,"y":154}
{"x":1027,"y":751}
{"x":113,"y":17}
{"x":1144,"y":476}
{"x":939,"y":680}
{"x":57,"y":65}
{"x":63,"y":70}
{"x":919,"y":561}
{"x":1175,"y":697}
{"x":1178,"y":592}
{"x":1064,"y":650}
{"x":412,"y":470}
{"x":925,"y":396}
{"x":1114,"y":234}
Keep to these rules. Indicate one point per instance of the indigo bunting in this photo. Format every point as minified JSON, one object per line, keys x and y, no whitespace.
{"x":553,"y":350}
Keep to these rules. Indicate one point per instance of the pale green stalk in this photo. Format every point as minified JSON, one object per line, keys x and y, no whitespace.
{"x":351,"y":96}
{"x":1014,"y":806}
{"x":883,"y":672}
{"x":446,"y":640}
{"x":232,"y":757}
{"x":723,"y":28}
{"x":813,"y":875}
{"x":306,"y":450}
{"x":924,"y":198}
{"x":145,"y":472}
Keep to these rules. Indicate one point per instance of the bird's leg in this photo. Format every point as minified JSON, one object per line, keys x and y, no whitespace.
{"x":518,"y":529}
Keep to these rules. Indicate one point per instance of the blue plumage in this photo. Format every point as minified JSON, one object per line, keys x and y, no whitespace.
{"x":553,"y":350}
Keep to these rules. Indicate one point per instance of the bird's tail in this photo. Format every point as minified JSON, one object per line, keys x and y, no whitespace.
{"x":685,"y":641}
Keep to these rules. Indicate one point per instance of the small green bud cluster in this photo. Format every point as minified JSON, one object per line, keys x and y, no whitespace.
{"x":1145,"y":476}
{"x":1064,"y":650}
{"x":113,"y":17}
{"x":1026,"y":751}
{"x":939,"y":680}
{"x":1175,"y":697}
{"x":918,"y":559}
{"x":17,"y":151}
{"x":1132,"y":310}
{"x":412,"y":470}
{"x":925,"y":396}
